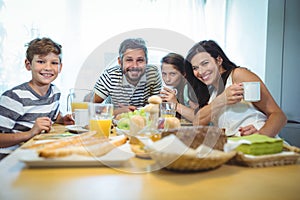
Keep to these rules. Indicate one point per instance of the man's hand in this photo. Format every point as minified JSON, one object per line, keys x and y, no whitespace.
{"x":124,"y":109}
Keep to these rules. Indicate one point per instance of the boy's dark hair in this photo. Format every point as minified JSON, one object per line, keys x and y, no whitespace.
{"x":42,"y":46}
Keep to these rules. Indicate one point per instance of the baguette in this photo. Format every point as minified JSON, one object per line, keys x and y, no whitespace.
{"x":84,"y":150}
{"x":86,"y":146}
{"x":55,"y":143}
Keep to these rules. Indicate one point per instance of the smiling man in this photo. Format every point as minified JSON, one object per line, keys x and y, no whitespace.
{"x":129,"y":84}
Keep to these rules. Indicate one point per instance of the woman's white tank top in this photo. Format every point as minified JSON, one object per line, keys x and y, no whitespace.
{"x":241,"y":114}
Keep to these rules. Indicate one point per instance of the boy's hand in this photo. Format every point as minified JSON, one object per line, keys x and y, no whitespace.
{"x":41,"y":124}
{"x":68,"y":119}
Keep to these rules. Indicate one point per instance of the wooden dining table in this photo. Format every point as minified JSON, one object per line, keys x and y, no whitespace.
{"x":141,"y":180}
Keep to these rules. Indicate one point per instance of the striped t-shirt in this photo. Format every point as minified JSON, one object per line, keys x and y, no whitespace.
{"x":20,"y":106}
{"x":113,"y":84}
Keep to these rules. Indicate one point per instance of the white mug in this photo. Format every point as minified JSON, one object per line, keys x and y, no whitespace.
{"x":81,"y":117}
{"x":251,"y":91}
{"x":172,"y":88}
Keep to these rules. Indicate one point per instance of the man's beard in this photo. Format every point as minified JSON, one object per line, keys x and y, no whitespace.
{"x":131,"y":78}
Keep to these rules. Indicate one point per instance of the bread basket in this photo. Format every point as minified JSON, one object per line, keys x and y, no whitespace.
{"x":194,"y":137}
{"x":186,"y":163}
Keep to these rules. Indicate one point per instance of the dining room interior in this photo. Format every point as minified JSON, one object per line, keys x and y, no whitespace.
{"x":262,"y":35}
{"x":269,"y":50}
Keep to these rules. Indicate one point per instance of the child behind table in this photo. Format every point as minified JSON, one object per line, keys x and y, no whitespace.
{"x":30,"y":108}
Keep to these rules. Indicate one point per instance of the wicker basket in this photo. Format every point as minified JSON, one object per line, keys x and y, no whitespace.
{"x":186,"y":163}
{"x":194,"y":136}
{"x":289,"y":156}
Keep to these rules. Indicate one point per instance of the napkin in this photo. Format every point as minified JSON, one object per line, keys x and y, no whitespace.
{"x":255,"y":144}
{"x":232,"y":145}
{"x":172,"y":145}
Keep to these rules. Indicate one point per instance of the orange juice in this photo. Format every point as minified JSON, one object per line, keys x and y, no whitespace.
{"x":167,"y":109}
{"x":79,"y":105}
{"x":167,"y":115}
{"x":155,"y":137}
{"x":101,"y":126}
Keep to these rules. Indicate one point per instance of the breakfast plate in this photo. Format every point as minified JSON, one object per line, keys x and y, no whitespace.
{"x":115,"y":158}
{"x":122,"y":131}
{"x":51,"y":136}
{"x":76,"y":129}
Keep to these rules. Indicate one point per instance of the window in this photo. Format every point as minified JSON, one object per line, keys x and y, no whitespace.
{"x":83,"y":27}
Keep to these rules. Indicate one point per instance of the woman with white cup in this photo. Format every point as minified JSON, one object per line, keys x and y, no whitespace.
{"x":219,"y":85}
{"x":175,"y":87}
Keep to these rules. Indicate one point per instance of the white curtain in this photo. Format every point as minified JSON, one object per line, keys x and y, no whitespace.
{"x":81,"y":26}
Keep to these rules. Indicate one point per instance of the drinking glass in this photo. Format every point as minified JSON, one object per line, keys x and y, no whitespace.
{"x":78,"y":100}
{"x":100,"y":118}
{"x":167,"y":109}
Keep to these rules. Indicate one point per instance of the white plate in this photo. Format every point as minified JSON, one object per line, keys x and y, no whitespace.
{"x":117,"y":157}
{"x":122,"y":131}
{"x":76,"y":129}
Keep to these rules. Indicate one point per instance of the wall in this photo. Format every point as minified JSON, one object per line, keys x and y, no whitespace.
{"x":282,"y":67}
{"x":264,"y":36}
{"x":246,"y":34}
{"x":274,"y":48}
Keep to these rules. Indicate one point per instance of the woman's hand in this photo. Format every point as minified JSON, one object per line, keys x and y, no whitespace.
{"x":248,"y":130}
{"x":233,"y":94}
{"x":193,"y":105}
{"x":169,"y":95}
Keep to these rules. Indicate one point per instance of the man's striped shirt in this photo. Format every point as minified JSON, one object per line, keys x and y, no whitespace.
{"x":112,"y":83}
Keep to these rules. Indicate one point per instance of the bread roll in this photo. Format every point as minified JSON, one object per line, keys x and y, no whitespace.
{"x":171,"y":123}
{"x":137,"y":123}
{"x":140,"y":121}
{"x":155,"y":99}
{"x":152,"y":108}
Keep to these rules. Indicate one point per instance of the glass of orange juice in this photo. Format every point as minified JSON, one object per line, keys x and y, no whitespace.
{"x":78,"y":100}
{"x":167,"y":109}
{"x":100,"y":118}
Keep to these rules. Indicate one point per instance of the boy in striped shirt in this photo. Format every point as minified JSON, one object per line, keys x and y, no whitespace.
{"x":30,"y":108}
